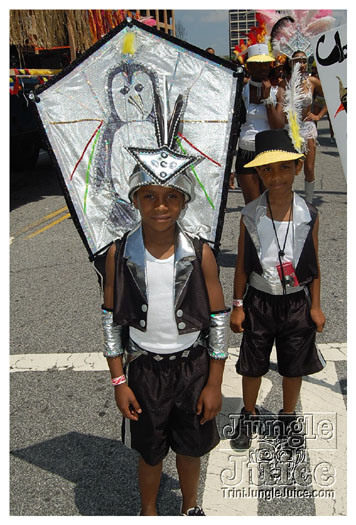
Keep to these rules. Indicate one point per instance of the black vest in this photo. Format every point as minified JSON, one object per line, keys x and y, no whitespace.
{"x":307,"y":267}
{"x":192,"y":310}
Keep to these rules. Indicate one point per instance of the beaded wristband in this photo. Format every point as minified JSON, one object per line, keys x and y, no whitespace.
{"x":237,"y":302}
{"x":118,"y":380}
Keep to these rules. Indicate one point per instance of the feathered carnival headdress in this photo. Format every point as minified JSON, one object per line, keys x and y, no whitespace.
{"x":288,"y":34}
{"x":293,"y":106}
{"x":292,"y":31}
{"x":257,"y":35}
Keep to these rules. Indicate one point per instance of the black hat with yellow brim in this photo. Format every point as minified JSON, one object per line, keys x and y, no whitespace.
{"x":273,"y":145}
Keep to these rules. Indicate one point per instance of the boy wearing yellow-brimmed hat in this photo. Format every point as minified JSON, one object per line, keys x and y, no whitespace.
{"x":277,"y":285}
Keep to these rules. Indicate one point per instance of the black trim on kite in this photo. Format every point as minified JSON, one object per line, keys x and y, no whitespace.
{"x":234,"y":134}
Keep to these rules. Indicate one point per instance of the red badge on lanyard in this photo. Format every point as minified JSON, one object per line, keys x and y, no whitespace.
{"x":287,"y":274}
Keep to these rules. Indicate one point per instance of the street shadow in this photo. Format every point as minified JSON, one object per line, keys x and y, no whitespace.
{"x":104,"y":471}
{"x":331,"y":153}
{"x":34,"y":184}
{"x":233,"y":210}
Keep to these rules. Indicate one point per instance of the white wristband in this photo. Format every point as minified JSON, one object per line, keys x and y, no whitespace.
{"x":237,"y":302}
{"x":268,"y":101}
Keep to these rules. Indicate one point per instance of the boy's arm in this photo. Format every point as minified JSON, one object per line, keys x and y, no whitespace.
{"x":125,"y":398}
{"x":316,"y":312}
{"x":210,"y":399}
{"x":240,"y":280}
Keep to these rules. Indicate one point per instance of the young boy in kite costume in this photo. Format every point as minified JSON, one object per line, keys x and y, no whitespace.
{"x":128,"y":178}
{"x":164,"y":308}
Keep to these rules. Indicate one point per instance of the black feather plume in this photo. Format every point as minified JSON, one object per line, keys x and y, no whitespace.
{"x":278,"y":26}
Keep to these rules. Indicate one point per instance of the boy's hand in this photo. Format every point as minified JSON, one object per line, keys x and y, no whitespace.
{"x":210,"y":400}
{"x":318,"y":317}
{"x":236,"y":319}
{"x":127,"y":402}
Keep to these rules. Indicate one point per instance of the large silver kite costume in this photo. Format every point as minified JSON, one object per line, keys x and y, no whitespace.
{"x":135,"y":91}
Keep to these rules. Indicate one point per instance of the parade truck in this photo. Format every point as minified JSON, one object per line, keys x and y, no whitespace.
{"x":25,"y":135}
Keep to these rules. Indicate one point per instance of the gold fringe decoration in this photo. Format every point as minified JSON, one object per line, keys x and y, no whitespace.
{"x":38,"y":28}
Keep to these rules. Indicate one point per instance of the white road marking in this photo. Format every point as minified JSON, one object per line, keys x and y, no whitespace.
{"x":327,"y":448}
{"x":96,"y":361}
{"x":231,"y":478}
{"x":228,"y":469}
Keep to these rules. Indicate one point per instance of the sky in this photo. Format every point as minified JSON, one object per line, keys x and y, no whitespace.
{"x":210,"y":28}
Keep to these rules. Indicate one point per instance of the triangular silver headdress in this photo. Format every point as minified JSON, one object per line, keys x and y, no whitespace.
{"x":164,"y":167}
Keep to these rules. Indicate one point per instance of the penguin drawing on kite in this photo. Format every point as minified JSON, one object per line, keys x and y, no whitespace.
{"x":131,"y":98}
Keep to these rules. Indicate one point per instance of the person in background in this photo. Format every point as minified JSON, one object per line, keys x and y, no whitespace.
{"x":311,"y":87}
{"x":261,"y":109}
{"x":290,"y":35}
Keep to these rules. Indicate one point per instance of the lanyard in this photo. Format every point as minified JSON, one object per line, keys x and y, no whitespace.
{"x":281,"y":251}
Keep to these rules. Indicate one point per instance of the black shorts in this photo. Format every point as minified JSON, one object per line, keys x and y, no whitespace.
{"x":285,"y":320}
{"x":242,"y":158}
{"x":168,"y":391}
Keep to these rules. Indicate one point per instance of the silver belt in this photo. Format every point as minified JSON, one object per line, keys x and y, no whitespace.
{"x":134,"y":351}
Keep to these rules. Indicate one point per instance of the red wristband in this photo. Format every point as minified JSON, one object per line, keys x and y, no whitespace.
{"x":118,"y":380}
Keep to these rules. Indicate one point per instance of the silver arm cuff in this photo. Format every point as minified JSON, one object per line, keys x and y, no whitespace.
{"x":219,"y":335}
{"x":113,"y":346}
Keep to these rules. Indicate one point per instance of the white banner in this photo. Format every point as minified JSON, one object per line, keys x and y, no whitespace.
{"x":330,"y":52}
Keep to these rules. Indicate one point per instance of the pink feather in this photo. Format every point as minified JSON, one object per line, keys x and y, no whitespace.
{"x":148,"y":21}
{"x":324,"y":12}
{"x":270,"y":17}
{"x":319,"y":26}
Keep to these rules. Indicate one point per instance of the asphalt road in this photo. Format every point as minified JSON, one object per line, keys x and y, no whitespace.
{"x":66,"y":456}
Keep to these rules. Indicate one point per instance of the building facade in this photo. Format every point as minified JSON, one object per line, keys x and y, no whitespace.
{"x":240,"y":22}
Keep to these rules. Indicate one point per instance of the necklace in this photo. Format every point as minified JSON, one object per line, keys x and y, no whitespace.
{"x":281,"y":251}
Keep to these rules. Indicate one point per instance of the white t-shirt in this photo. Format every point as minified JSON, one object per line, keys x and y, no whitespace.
{"x":269,"y":250}
{"x":256,"y":119}
{"x":161,"y":335}
{"x":269,"y":246}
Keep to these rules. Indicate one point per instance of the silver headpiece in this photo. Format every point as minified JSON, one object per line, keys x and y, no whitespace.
{"x":164,"y":167}
{"x":297,"y":43}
